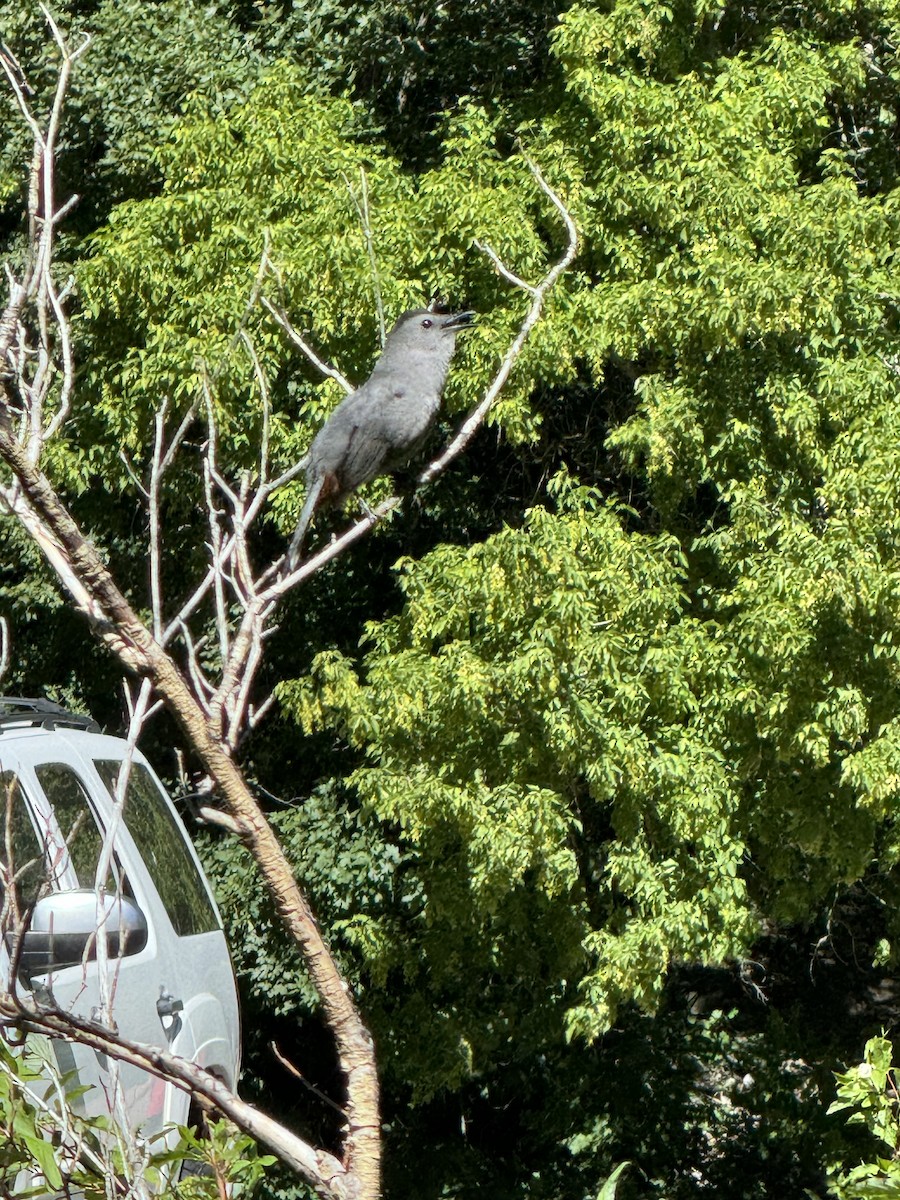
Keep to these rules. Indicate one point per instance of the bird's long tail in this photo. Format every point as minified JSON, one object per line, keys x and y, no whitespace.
{"x":309,"y":507}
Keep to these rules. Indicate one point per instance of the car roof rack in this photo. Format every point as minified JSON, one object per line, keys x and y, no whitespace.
{"x":20,"y":711}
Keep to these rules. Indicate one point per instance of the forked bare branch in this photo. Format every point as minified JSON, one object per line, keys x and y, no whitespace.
{"x":35,"y":362}
{"x":37,"y":369}
{"x":476,"y":417}
{"x":230,"y":610}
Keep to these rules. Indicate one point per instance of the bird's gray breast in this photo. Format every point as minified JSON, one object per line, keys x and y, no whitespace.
{"x":405,"y":414}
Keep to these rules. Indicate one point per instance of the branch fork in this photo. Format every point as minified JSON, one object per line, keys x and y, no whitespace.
{"x":215,"y":707}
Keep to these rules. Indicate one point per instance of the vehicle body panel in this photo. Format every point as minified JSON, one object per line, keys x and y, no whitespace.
{"x":185,"y":972}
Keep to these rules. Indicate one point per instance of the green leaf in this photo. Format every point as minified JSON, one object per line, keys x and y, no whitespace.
{"x":45,"y":1157}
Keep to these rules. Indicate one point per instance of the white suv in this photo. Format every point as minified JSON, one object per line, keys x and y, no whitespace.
{"x":171,"y":979}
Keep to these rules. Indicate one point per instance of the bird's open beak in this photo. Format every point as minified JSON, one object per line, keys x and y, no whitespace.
{"x":461,"y":320}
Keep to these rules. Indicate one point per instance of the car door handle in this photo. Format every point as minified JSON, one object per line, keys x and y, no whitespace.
{"x":169,"y":1008}
{"x":168,"y":1005}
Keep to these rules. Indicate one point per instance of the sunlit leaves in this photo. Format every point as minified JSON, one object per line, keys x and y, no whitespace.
{"x":733,"y":704}
{"x":547,"y":680}
{"x":610,"y":736}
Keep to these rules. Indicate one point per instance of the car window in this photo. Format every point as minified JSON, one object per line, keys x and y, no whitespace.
{"x":67,"y":793}
{"x":28,"y":861}
{"x":161,"y":845}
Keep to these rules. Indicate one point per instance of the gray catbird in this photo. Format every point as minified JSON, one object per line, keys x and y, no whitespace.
{"x":380,"y":425}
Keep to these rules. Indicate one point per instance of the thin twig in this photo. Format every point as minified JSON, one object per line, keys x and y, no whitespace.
{"x":362,"y":208}
{"x":289,"y":1066}
{"x":4,"y":646}
{"x":319,"y":363}
{"x":288,"y":580}
{"x":503,"y":270}
{"x":153,"y":507}
{"x":263,"y":386}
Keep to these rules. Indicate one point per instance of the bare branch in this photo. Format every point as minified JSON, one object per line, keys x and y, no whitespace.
{"x":15,"y":503}
{"x":503,"y":270}
{"x":152,"y":494}
{"x":4,"y":646}
{"x":216,"y":534}
{"x":37,"y":284}
{"x":16,"y":78}
{"x":255,"y":715}
{"x":263,"y":386}
{"x":190,"y":606}
{"x":177,"y":438}
{"x":327,"y":1174}
{"x":319,"y":363}
{"x":289,"y":1067}
{"x":290,"y":579}
{"x":361,"y":204}
{"x":65,"y":399}
{"x":203,"y":689}
{"x":265,"y":266}
{"x":336,"y":547}
{"x":214,"y":816}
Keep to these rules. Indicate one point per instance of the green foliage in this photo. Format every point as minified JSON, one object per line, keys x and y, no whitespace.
{"x":412,"y":62}
{"x":41,"y":1131}
{"x":229,"y":1161}
{"x":33,"y":1118}
{"x":169,"y":280}
{"x":144,"y":62}
{"x":350,"y":869}
{"x":657,"y":702}
{"x":870,"y":1093}
{"x":539,"y":688}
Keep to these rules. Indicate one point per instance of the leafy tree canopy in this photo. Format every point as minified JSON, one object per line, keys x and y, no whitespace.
{"x":659,"y":704}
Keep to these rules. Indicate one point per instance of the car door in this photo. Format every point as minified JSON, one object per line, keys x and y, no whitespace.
{"x":66,"y":816}
{"x":199,"y":980}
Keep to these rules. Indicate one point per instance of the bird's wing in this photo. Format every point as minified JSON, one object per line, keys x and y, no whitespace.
{"x":367,"y":450}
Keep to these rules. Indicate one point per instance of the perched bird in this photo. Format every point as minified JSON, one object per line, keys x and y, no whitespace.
{"x":379,"y":426}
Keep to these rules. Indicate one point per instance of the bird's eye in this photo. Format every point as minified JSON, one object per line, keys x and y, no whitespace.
{"x":426,"y":324}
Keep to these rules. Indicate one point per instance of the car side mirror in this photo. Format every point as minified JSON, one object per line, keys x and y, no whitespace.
{"x":64,"y":928}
